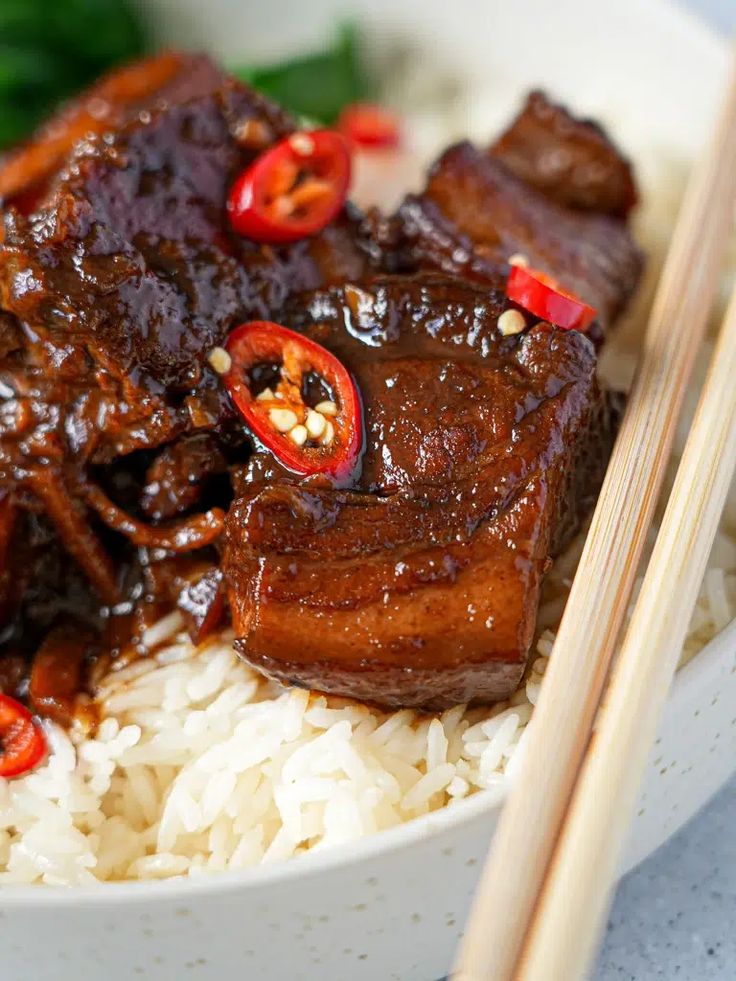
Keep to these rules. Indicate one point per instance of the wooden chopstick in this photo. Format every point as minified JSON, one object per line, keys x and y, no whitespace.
{"x":575,"y":898}
{"x":558,"y":736}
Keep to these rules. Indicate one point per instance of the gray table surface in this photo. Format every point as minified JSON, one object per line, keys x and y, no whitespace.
{"x":675,"y":916}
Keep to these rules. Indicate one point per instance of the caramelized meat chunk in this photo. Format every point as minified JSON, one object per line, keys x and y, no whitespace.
{"x":420,"y":585}
{"x":133,"y":249}
{"x":171,"y":77}
{"x":475,"y":214}
{"x":58,"y":671}
{"x":126,"y":275}
{"x":572,"y":161}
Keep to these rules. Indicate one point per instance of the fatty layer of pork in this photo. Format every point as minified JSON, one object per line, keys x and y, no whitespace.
{"x":419,"y":585}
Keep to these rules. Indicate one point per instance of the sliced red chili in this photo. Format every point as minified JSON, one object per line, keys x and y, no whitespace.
{"x":543,"y":296}
{"x":325,"y":438}
{"x":22,"y":739}
{"x":369,"y":125}
{"x":292,"y":190}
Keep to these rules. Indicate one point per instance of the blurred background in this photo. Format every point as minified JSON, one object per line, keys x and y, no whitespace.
{"x":51,"y":50}
{"x":315,"y":57}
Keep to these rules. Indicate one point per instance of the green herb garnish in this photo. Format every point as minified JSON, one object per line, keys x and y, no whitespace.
{"x":316,"y":85}
{"x":51,"y":49}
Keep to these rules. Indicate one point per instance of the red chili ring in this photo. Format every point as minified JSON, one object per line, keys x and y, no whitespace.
{"x":23,"y":740}
{"x":263,"y":342}
{"x":293,"y":190}
{"x":543,"y":296}
{"x":371,"y":126}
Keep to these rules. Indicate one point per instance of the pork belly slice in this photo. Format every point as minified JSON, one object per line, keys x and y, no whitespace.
{"x":572,"y":161}
{"x":420,"y":585}
{"x":475,"y":214}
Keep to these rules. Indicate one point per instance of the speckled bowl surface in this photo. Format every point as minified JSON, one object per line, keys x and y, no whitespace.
{"x":392,"y":906}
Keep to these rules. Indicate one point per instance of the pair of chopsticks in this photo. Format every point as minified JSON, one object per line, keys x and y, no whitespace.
{"x":548,"y":879}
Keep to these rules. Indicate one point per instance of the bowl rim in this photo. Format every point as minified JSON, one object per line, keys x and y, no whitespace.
{"x":707,"y":663}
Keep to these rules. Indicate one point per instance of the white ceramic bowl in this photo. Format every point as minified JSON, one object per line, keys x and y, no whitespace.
{"x":392,"y":906}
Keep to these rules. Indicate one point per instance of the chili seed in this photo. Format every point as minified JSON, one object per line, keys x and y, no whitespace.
{"x":283,"y":419}
{"x":327,"y":408}
{"x":220,"y":360}
{"x":266,"y":395}
{"x":518,"y":259}
{"x":298,"y":435}
{"x":511,"y":322}
{"x":315,"y":423}
{"x":328,"y":435}
{"x":283,"y":207}
{"x":303,"y":144}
